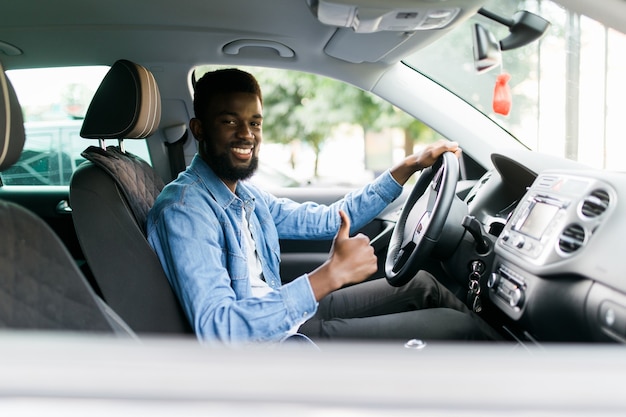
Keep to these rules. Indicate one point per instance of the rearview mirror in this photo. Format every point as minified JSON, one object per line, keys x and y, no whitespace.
{"x":487,"y":54}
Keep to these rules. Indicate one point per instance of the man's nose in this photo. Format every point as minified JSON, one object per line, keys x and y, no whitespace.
{"x":245,"y":131}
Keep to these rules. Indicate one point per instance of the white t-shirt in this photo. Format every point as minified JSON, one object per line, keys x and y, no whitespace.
{"x":259,"y":286}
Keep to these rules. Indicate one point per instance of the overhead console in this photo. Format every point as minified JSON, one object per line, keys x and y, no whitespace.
{"x":364,"y":16}
{"x":555,"y":271}
{"x":398,"y":26}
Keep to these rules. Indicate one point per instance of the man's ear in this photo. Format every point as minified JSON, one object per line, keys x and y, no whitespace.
{"x":196,"y":128}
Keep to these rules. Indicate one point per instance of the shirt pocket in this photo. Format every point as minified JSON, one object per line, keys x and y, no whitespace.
{"x":238,"y":271}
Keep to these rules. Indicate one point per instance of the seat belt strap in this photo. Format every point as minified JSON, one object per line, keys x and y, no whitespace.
{"x":176,"y":154}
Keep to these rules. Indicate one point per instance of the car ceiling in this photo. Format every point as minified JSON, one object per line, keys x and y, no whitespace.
{"x":182,"y":30}
{"x":175,"y":36}
{"x":188,"y":32}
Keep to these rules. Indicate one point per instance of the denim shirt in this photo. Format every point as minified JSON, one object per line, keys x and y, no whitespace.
{"x":195,"y":228}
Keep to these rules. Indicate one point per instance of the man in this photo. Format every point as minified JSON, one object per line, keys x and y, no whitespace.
{"x":217,"y":239}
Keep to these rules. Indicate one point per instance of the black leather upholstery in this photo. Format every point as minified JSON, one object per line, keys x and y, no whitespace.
{"x":111,"y":194}
{"x":41,"y":288}
{"x":127,"y":104}
{"x":136,"y":180}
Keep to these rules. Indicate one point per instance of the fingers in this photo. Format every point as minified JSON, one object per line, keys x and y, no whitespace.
{"x":448,"y":146}
{"x":432,"y":152}
{"x":344,"y":228}
{"x":455,"y":148}
{"x":443,"y":145}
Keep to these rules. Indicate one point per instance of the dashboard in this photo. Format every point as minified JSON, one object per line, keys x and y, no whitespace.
{"x":556,"y":273}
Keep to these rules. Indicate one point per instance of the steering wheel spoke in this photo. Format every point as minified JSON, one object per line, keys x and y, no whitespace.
{"x":403,"y":255}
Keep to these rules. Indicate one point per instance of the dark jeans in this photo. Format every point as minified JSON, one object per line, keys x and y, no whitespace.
{"x":422,"y":309}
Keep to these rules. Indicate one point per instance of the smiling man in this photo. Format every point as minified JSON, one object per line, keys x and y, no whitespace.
{"x":218,"y":241}
{"x":233,"y":152}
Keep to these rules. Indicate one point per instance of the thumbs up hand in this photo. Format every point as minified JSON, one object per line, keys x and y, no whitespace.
{"x":351,"y":260}
{"x":344,"y":228}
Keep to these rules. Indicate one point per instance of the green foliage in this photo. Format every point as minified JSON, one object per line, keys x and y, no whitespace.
{"x":306,"y":106}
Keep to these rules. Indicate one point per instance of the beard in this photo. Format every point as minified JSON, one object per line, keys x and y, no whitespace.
{"x":224,"y":169}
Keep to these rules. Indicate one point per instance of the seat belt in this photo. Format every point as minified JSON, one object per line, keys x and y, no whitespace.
{"x":176,"y":154}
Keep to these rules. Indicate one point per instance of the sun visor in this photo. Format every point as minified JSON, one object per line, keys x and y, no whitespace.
{"x":348,"y":45}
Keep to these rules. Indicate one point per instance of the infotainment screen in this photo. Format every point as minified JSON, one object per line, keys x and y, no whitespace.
{"x":538,"y":219}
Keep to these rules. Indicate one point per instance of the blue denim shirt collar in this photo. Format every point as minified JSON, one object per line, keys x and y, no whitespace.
{"x":218,"y":190}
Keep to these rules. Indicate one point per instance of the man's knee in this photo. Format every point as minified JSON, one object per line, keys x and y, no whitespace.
{"x":425,"y":289}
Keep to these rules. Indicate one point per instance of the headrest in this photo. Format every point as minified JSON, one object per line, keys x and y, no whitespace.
{"x":11,"y":124}
{"x":127,"y":105}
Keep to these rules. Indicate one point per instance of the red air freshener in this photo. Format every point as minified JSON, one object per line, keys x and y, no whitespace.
{"x":502,"y":95}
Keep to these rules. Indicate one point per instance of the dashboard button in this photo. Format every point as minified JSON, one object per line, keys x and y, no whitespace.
{"x":516,"y":297}
{"x":613,"y":317}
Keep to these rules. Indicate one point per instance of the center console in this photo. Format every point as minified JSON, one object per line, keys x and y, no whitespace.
{"x":551,"y":225}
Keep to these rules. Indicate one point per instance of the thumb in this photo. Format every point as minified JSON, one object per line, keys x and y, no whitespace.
{"x":344,"y":229}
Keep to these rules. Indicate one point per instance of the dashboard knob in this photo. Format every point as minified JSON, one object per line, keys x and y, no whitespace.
{"x":492,"y":281}
{"x":516,"y":298}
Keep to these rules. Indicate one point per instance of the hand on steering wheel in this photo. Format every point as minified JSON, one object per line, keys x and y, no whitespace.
{"x":430,"y":223}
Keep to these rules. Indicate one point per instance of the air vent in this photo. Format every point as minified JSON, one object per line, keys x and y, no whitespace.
{"x":595,"y":204}
{"x":572,"y":238}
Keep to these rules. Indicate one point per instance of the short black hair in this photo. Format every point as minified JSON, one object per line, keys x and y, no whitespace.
{"x":229,"y":80}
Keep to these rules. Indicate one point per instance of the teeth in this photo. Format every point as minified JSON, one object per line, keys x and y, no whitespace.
{"x":242,"y":151}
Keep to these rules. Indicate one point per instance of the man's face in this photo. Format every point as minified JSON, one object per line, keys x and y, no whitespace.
{"x":230,"y":134}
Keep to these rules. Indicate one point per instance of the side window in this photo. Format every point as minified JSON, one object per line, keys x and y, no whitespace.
{"x":54,"y":102}
{"x":323,"y":132}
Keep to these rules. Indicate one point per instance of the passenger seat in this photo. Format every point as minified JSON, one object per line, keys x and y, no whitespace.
{"x":41,"y":287}
{"x":111,"y":195}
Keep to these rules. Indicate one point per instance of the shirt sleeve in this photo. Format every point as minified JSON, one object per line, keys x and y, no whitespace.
{"x":315,"y":221}
{"x":193,"y":252}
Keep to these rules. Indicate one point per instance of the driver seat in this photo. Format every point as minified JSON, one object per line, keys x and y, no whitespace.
{"x":111,"y":194}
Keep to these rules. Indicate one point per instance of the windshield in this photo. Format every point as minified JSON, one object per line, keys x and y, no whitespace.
{"x":565,"y":87}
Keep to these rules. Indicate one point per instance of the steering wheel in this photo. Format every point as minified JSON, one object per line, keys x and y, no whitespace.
{"x":430,"y":223}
